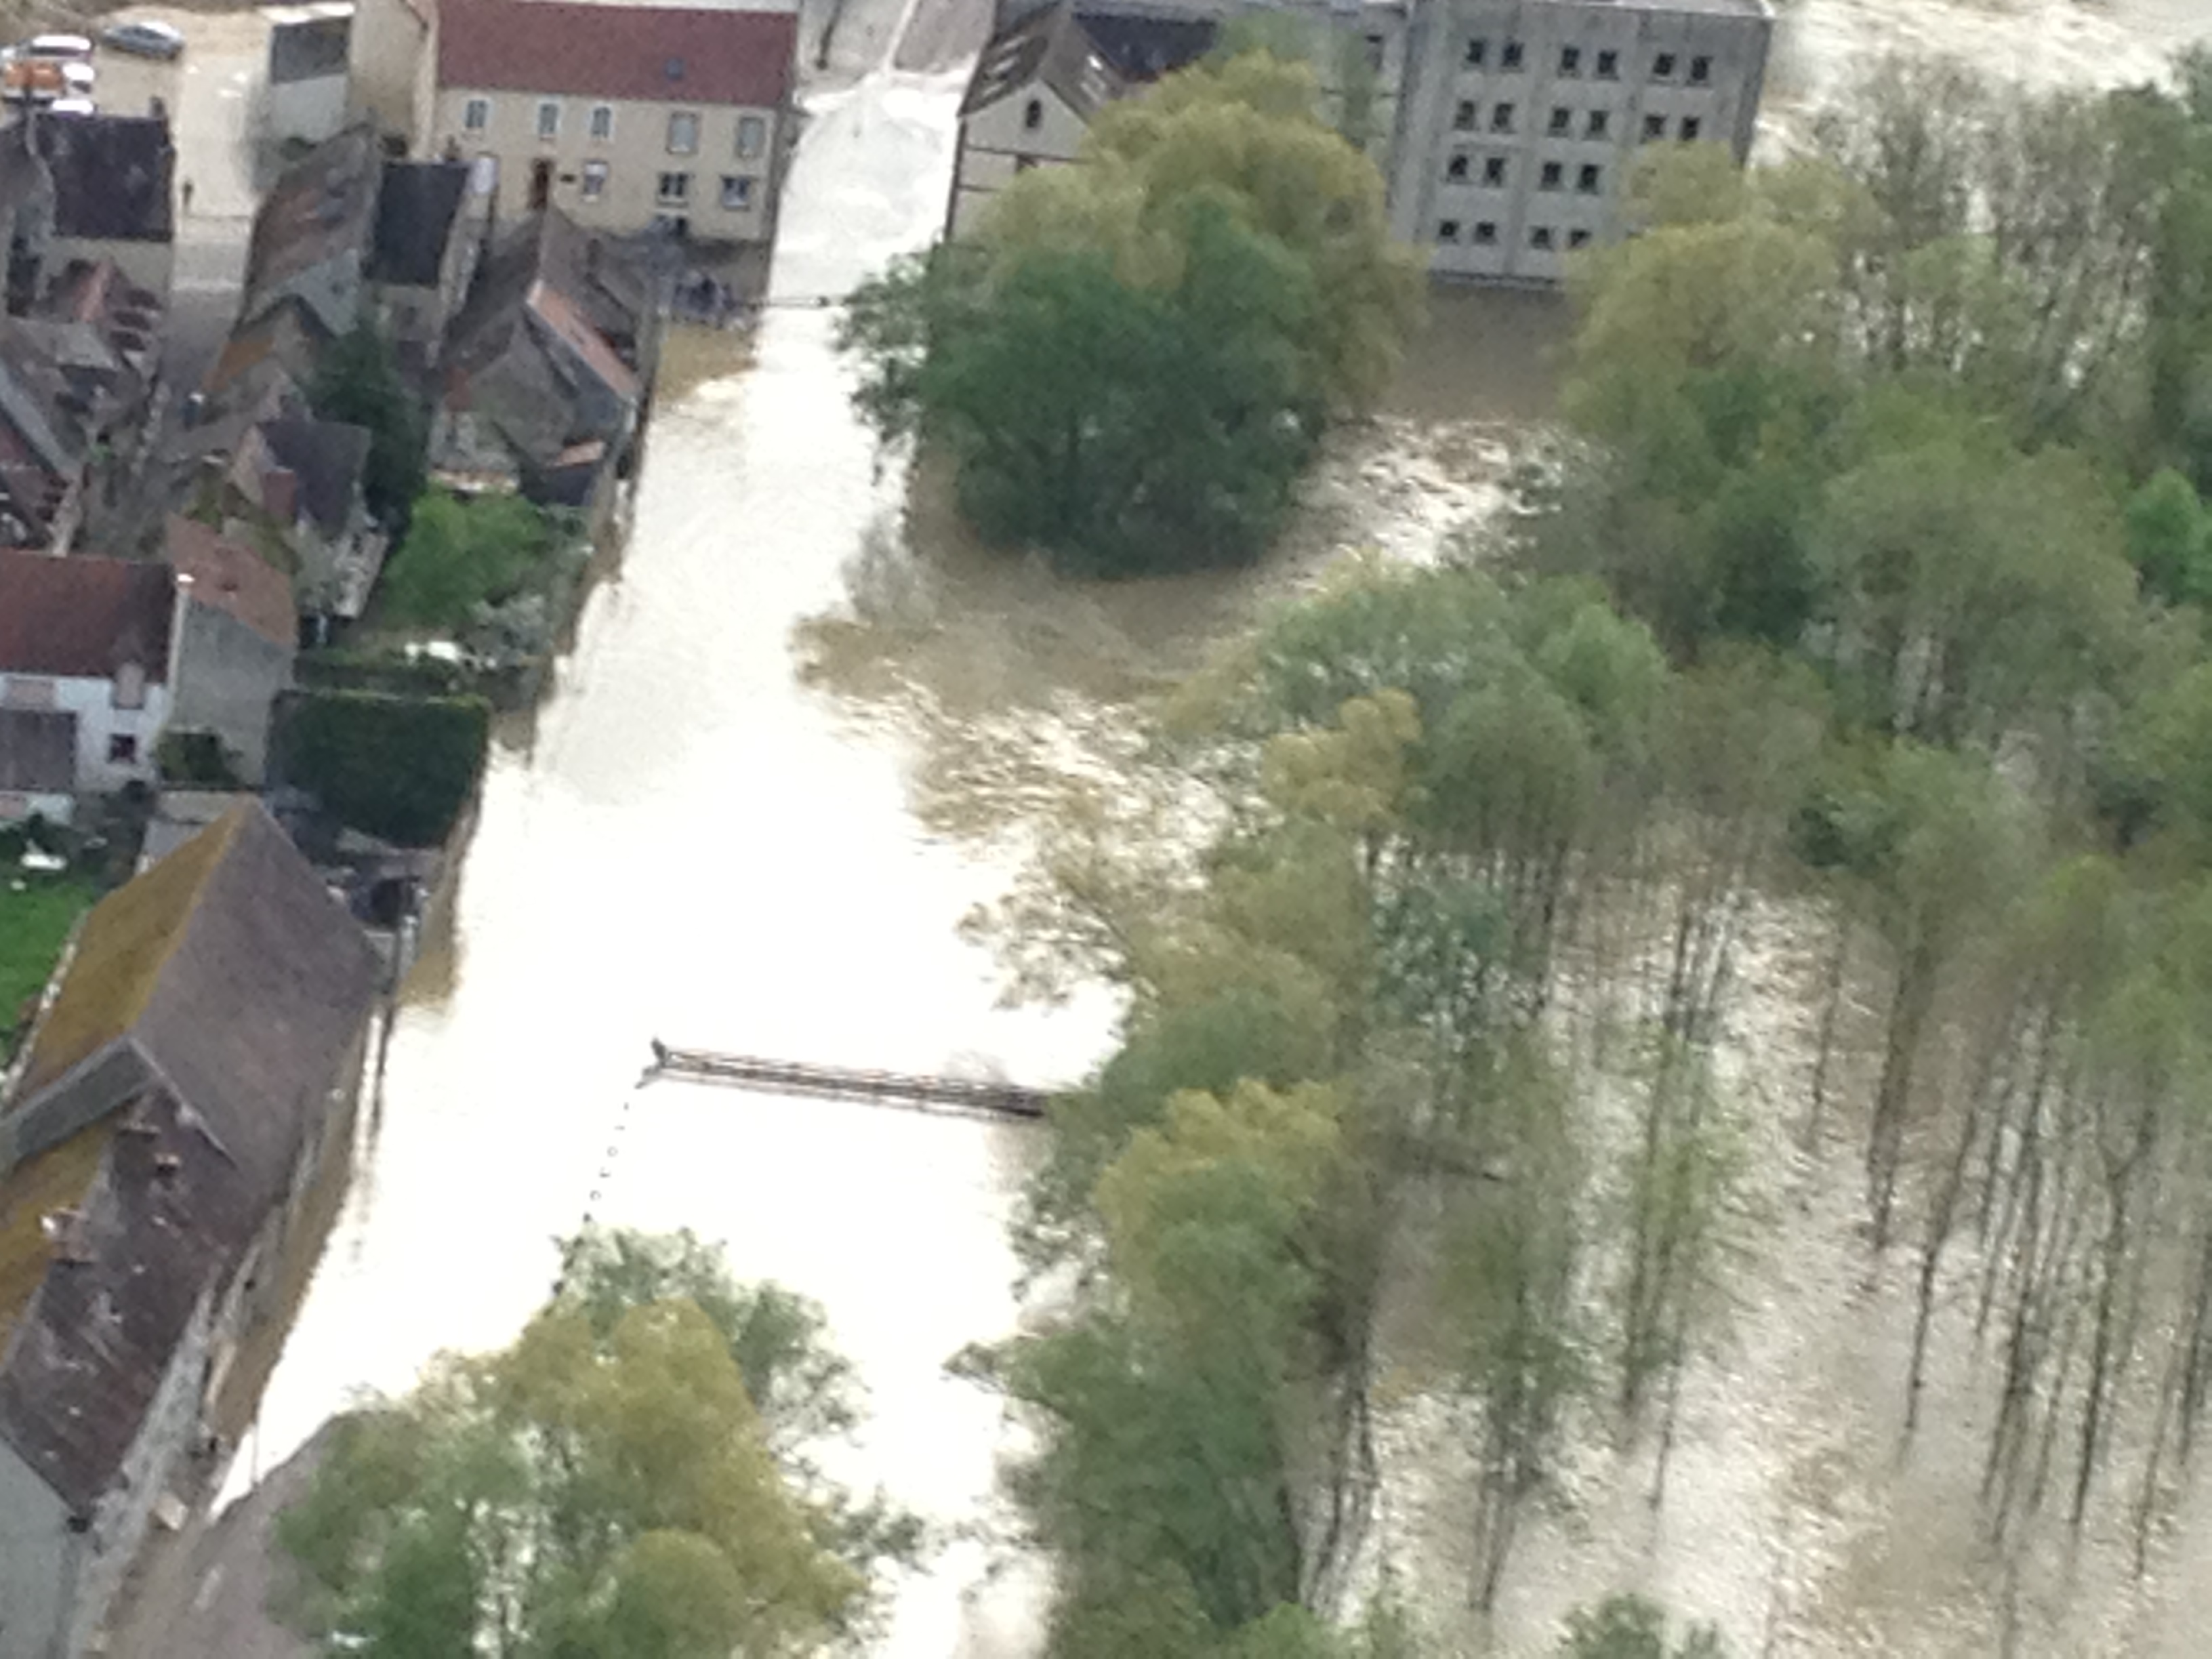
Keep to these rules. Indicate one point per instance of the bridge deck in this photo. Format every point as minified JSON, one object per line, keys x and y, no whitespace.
{"x":1004,"y":1100}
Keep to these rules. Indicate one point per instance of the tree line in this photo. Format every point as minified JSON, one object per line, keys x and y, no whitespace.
{"x":1863,"y":580}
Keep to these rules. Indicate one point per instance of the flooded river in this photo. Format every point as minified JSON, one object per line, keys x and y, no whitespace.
{"x":694,"y":847}
{"x":701,"y":839}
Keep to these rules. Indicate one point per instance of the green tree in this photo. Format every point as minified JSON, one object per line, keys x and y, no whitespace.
{"x":459,"y":554}
{"x":2170,"y":540}
{"x":357,"y":381}
{"x":1131,"y":363}
{"x":1630,"y":1627}
{"x":604,"y":1487}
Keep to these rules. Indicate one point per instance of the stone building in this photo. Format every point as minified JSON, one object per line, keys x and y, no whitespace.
{"x":188,"y":1086}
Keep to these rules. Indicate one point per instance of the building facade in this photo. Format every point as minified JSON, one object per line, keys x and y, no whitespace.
{"x":623,"y":117}
{"x":1506,"y":129}
{"x":1524,"y":118}
{"x":92,"y":640}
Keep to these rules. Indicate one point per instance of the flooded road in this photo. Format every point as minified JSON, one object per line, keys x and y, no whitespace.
{"x":696,"y":848}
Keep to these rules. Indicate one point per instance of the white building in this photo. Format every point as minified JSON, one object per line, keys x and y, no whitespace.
{"x":85,"y":646}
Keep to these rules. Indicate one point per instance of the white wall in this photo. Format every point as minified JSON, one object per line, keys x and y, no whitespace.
{"x":312,"y":110}
{"x":98,"y":720}
{"x":997,"y":140}
{"x":635,"y":154}
{"x":36,"y":1561}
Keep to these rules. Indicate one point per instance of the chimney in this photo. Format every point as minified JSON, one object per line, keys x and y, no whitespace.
{"x":177,"y":611}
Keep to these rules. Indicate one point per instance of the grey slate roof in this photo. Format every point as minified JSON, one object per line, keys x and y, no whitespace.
{"x":1142,"y":49}
{"x":112,"y":175}
{"x":236,"y":1039}
{"x":309,"y":50}
{"x":1047,"y":48}
{"x":328,"y":457}
{"x":87,"y":1358}
{"x":415,"y":213}
{"x":37,"y":751}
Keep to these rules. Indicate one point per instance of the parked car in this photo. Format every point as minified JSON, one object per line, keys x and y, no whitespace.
{"x":43,"y":80}
{"x":144,"y":39}
{"x":67,"y":47}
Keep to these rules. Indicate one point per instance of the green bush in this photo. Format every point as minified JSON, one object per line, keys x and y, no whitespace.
{"x":398,"y":768}
{"x":196,"y":759}
{"x":459,"y":554}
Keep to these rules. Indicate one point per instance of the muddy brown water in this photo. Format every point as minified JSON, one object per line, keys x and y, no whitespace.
{"x":795,"y":741}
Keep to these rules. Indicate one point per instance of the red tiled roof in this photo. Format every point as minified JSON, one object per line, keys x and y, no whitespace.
{"x":232,"y":578}
{"x":82,"y":617}
{"x":654,"y":54}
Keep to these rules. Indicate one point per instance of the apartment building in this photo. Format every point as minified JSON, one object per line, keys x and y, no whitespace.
{"x":1523,"y":117}
{"x":623,"y":117}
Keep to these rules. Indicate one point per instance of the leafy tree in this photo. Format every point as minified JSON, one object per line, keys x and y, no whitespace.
{"x":604,"y":1487}
{"x":1132,"y":363}
{"x":357,"y":381}
{"x":2170,"y":541}
{"x":459,"y":554}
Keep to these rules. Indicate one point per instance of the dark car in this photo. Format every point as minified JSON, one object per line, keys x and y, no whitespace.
{"x":143,"y":40}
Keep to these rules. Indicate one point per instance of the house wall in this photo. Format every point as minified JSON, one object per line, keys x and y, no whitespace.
{"x":385,"y":55}
{"x":635,"y":155}
{"x":1447,"y":215}
{"x":226,"y":678}
{"x":98,"y":721}
{"x":38,"y":1562}
{"x":17,"y":806}
{"x":147,"y":263}
{"x":418,"y":316}
{"x":999,"y":141}
{"x":312,"y":110}
{"x":170,"y":1429}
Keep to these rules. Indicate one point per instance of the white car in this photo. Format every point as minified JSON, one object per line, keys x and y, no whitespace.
{"x":72,"y":106}
{"x":75,"y":48}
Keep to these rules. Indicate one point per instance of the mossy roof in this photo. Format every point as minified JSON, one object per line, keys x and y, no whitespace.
{"x":127,"y":941}
{"x":56,"y":1179}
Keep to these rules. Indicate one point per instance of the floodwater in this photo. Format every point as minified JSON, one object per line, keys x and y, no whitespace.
{"x":694,"y":846}
{"x":803,"y":731}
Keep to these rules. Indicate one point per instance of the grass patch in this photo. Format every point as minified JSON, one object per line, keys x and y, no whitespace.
{"x":34,"y":925}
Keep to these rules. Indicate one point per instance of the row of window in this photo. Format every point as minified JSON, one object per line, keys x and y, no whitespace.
{"x":1589,"y":178}
{"x":1543,"y":238}
{"x":1665,"y":65}
{"x":1597,"y":123}
{"x":674,"y":189}
{"x":682,"y":126}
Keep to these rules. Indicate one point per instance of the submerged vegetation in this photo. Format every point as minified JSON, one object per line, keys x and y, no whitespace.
{"x":1862,"y":588}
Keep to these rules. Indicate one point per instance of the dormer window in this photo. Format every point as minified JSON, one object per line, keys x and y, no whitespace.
{"x":675,"y":68}
{"x":130,"y":686}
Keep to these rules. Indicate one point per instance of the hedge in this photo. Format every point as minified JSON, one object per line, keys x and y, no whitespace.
{"x":397,"y":768}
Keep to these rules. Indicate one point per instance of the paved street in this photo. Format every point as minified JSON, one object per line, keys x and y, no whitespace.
{"x":212,"y":95}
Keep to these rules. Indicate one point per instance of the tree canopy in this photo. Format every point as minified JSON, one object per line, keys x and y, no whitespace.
{"x":620,"y":1482}
{"x":1133,"y":360}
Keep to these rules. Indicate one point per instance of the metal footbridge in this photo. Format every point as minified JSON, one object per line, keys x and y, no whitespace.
{"x":964,"y":1096}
